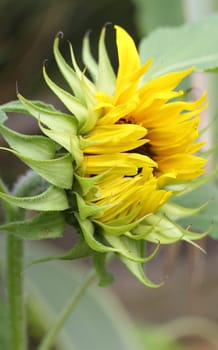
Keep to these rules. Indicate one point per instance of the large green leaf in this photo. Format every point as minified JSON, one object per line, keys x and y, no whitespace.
{"x":208,"y":217}
{"x":175,"y":49}
{"x":98,"y":322}
{"x":155,"y":13}
{"x":154,"y":338}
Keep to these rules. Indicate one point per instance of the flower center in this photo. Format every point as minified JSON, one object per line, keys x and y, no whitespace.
{"x":126,"y":120}
{"x":145,"y":149}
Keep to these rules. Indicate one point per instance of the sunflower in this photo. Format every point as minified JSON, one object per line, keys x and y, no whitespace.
{"x":143,"y":134}
{"x":131,"y":138}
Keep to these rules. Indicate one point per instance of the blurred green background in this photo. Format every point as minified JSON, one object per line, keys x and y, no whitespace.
{"x":28,"y":28}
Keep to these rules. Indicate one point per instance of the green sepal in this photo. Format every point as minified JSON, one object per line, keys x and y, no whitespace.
{"x":165,"y":230}
{"x":106,"y":78}
{"x":88,"y":59}
{"x":73,"y":104}
{"x":114,"y":229}
{"x":127,"y":248}
{"x":78,"y":251}
{"x":58,"y":171}
{"x":176,"y":212}
{"x":67,"y":72}
{"x":183,"y":188}
{"x":80,"y":73}
{"x":207,"y":219}
{"x":125,"y":220}
{"x":137,"y":269}
{"x":87,"y":210}
{"x":37,"y":147}
{"x":42,"y":226}
{"x":53,"y":199}
{"x":138,"y":236}
{"x":81,"y":87}
{"x":99,"y":262}
{"x":18,"y":107}
{"x":53,"y":119}
{"x":67,"y":140}
{"x":86,"y":184}
{"x":93,"y":115}
{"x":88,"y":230}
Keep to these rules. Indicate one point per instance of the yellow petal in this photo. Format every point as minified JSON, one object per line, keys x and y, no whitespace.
{"x":121,"y":163}
{"x":127,"y":53}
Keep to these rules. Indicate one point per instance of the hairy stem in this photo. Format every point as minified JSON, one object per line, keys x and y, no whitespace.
{"x":15,"y":293}
{"x":15,"y":264}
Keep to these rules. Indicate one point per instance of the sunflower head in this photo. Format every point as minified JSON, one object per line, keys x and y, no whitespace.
{"x":131,"y":140}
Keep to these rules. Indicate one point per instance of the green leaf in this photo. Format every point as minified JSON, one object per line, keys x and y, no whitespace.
{"x":155,"y":338}
{"x":53,"y":199}
{"x":152,"y":14}
{"x":42,"y":226}
{"x":37,"y":147}
{"x":54,"y":284}
{"x":208,"y":217}
{"x":50,"y":286}
{"x":172,"y":49}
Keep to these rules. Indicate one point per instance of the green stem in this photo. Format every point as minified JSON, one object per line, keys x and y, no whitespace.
{"x":15,"y":264}
{"x":15,"y":293}
{"x":50,"y":337}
